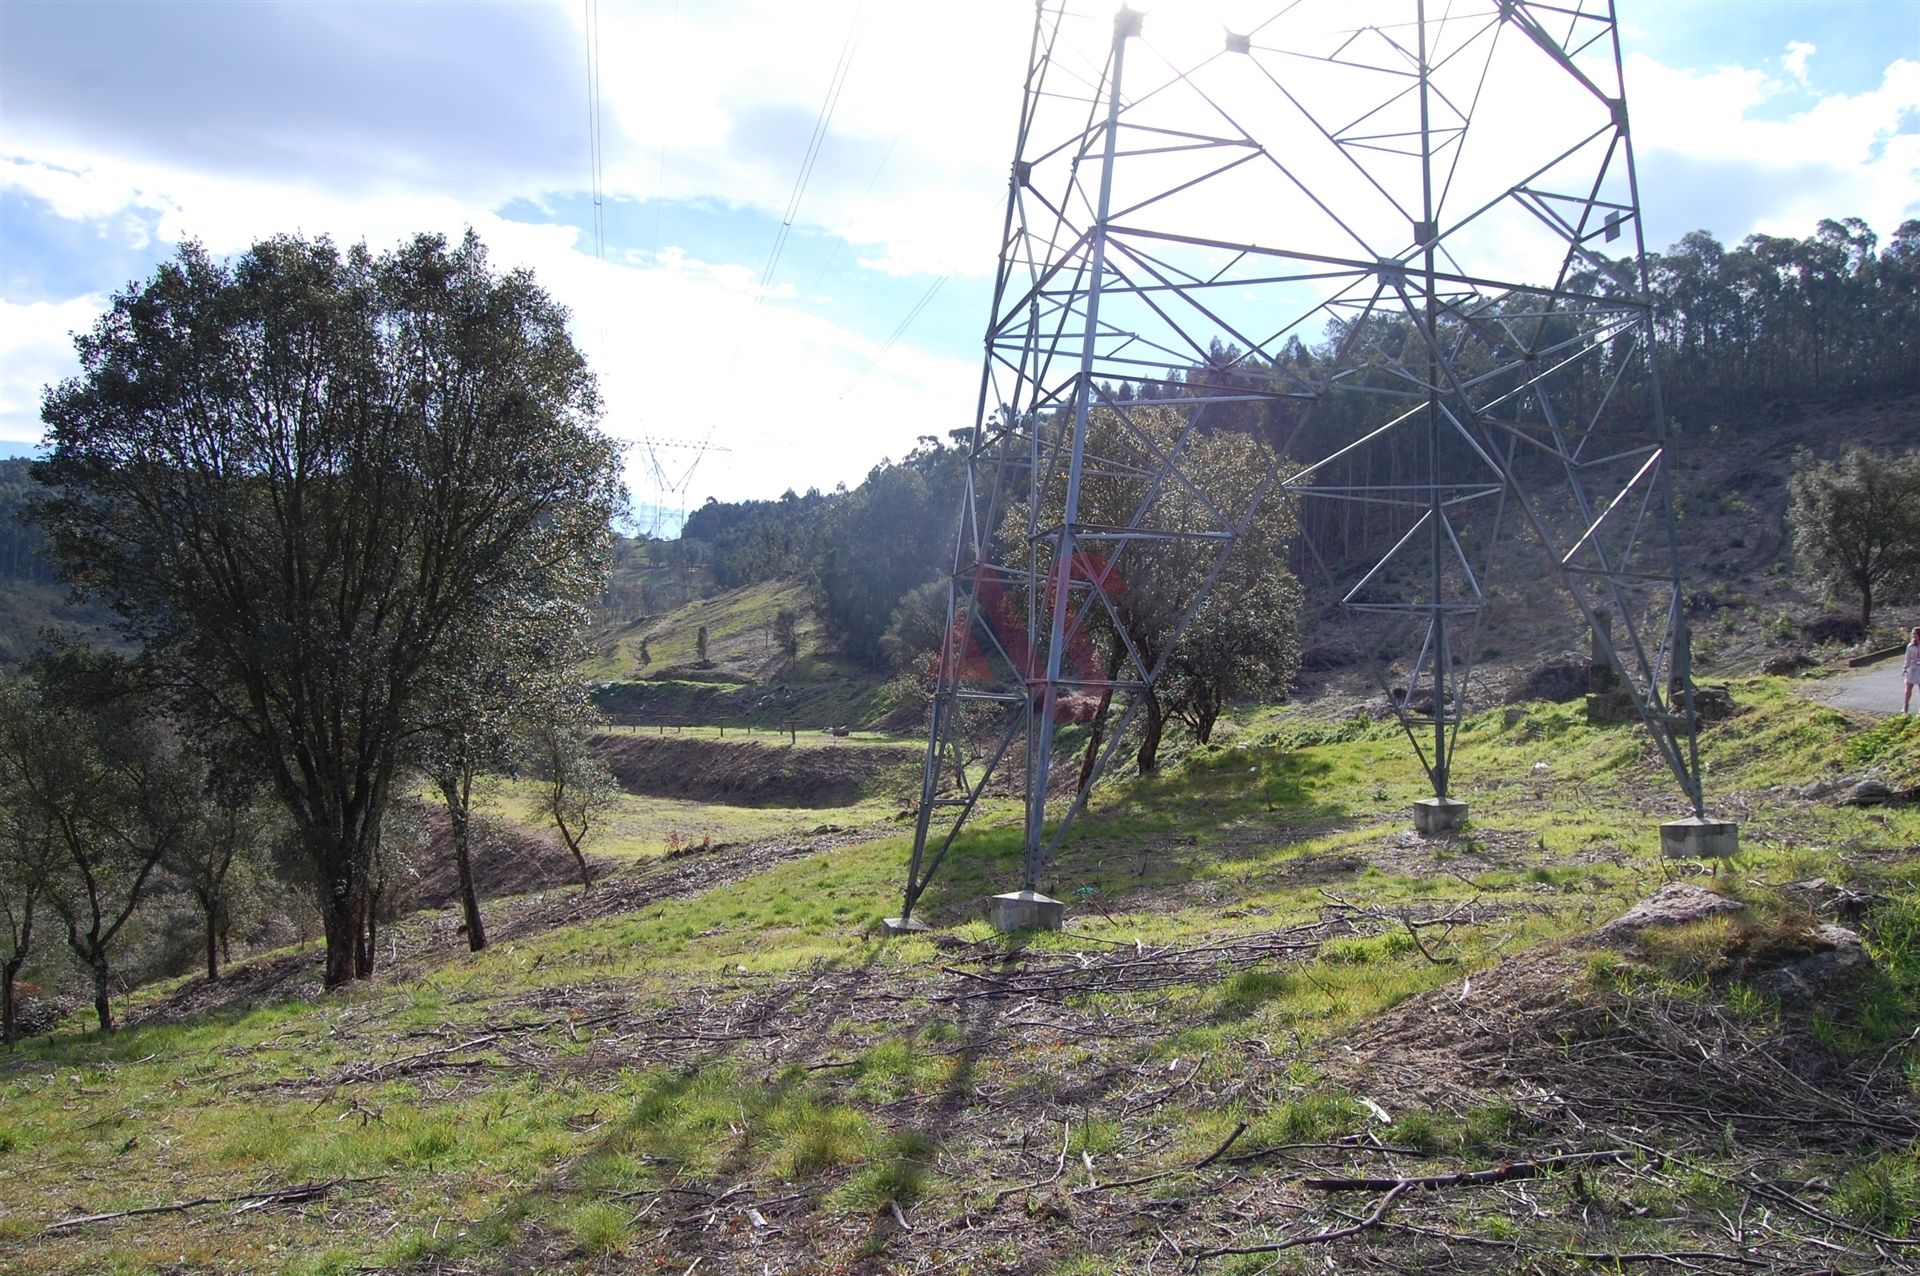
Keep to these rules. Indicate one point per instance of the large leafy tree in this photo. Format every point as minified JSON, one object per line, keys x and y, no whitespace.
{"x":301,"y":479}
{"x":1245,"y":642}
{"x":1856,"y":521}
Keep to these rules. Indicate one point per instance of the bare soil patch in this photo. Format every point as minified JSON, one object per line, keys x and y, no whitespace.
{"x":748,"y":772}
{"x":675,"y":877}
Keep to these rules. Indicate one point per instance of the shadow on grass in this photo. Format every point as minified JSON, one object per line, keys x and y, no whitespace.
{"x":904,"y":1172}
{"x":1150,"y":833}
{"x":789,"y":1134}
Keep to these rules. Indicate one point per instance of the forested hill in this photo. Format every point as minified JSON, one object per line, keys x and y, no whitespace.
{"x":863,"y":551}
{"x":1748,"y":336}
{"x":31,"y":596}
{"x":20,"y":558}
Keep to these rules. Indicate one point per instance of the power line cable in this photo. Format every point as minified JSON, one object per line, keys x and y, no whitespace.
{"x":595,"y":157}
{"x":660,"y":180}
{"x":814,"y":143}
{"x":838,"y":244}
{"x":900,"y":329}
{"x":896,"y":334}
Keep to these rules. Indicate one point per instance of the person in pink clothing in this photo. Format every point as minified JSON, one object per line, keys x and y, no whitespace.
{"x":1913,"y":670}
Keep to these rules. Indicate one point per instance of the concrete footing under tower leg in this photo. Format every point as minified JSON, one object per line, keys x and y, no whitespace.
{"x":1025,"y":910}
{"x":905,"y":926}
{"x":1695,"y":838}
{"x":1438,"y":816}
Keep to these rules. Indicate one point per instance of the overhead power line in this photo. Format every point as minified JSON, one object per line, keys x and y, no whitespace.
{"x":595,"y":161}
{"x":872,"y":182}
{"x":898,"y":332}
{"x":825,"y":118}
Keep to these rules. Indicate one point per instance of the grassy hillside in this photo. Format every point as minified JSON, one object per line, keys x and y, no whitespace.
{"x":711,"y":1063}
{"x":745,"y":680}
{"x":739,"y":635}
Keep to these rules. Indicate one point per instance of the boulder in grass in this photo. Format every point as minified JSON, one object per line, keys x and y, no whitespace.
{"x":1713,"y":702}
{"x":1563,"y":678}
{"x":1839,"y":961}
{"x":1869,"y":793}
{"x":1787,"y":663}
{"x":1674,"y":904}
{"x":1823,"y":898}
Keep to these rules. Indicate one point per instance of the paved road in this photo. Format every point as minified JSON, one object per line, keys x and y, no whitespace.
{"x":1874,"y":689}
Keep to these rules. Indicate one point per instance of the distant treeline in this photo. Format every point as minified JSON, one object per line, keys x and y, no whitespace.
{"x":1772,"y":321}
{"x":20,"y":541}
{"x":1834,"y":314}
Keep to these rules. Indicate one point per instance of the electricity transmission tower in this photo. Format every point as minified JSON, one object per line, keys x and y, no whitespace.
{"x":668,"y":478}
{"x":1402,"y":244}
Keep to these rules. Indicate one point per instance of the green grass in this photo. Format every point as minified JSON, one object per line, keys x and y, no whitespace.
{"x":739,"y":625}
{"x":1266,"y":831}
{"x":745,"y":679}
{"x":1883,"y":1194}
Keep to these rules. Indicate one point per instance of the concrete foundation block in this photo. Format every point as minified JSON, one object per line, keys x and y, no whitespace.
{"x":905,"y":926}
{"x":1438,"y":816}
{"x":1025,"y":910}
{"x":1696,"y":839}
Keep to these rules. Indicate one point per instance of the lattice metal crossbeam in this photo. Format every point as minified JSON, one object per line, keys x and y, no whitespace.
{"x":1428,"y":196}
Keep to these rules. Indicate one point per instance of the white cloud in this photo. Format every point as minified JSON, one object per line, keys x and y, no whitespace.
{"x":681,"y":346}
{"x":36,"y":349}
{"x":720,"y":101}
{"x":1845,"y":155}
{"x":1798,"y":51}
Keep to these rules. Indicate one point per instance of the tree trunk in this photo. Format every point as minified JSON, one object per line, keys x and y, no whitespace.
{"x":340,"y":922}
{"x":101,"y":1006}
{"x":573,"y":847}
{"x":366,"y":931}
{"x":213,"y":939}
{"x":469,"y":900}
{"x":1150,"y":737}
{"x":9,"y":1032}
{"x":1097,"y":734}
{"x":1866,"y":603}
{"x":460,"y":829}
{"x":345,"y":864}
{"x":1204,"y":718}
{"x":586,"y":874}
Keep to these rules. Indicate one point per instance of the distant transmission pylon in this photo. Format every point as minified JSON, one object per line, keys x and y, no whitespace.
{"x":1426,"y":197}
{"x":670,"y":478}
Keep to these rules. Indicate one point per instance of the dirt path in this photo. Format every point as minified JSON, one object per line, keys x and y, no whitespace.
{"x":1874,"y":689}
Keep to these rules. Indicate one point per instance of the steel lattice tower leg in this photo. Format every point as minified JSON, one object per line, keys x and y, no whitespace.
{"x":1428,"y":201}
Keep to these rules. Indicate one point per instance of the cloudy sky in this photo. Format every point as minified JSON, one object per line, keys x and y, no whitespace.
{"x":128,"y":127}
